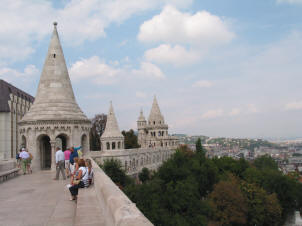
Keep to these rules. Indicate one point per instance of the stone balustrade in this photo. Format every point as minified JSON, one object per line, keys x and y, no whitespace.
{"x":118,"y":210}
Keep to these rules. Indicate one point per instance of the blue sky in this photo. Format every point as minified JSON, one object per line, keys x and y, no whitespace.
{"x":218,"y":68}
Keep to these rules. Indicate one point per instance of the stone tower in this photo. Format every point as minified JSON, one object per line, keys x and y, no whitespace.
{"x":154,"y":133}
{"x":141,"y":125}
{"x":55,"y":119}
{"x":112,"y":139}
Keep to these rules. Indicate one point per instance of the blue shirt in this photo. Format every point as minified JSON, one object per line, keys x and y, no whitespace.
{"x":74,"y":154}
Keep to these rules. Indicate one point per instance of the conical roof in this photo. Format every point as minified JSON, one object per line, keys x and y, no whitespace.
{"x":155,"y":114}
{"x":112,"y":128}
{"x":141,"y":117}
{"x":55,"y":98}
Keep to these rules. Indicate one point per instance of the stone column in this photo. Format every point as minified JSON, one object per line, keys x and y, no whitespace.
{"x":53,"y":155}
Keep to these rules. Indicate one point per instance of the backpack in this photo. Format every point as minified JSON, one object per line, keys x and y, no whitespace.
{"x":17,"y":156}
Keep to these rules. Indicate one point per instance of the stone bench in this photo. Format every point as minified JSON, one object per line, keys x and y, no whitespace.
{"x":8,"y":174}
{"x":88,"y":211}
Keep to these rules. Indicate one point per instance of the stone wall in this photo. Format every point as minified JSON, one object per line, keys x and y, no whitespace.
{"x":118,"y":209}
{"x":134,"y":160}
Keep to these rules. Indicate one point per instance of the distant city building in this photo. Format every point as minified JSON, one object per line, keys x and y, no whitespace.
{"x":14,"y":103}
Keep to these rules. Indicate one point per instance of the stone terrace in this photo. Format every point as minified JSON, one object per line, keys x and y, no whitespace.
{"x":36,"y":200}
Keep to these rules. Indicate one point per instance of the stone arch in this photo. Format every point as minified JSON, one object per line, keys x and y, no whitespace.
{"x":62,"y":141}
{"x":23,"y":142}
{"x":107,"y":146}
{"x":84,"y":144}
{"x":44,"y":147}
{"x":113,"y":145}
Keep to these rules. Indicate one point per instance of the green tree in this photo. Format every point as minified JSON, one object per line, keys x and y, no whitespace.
{"x":144,"y":175}
{"x":114,"y":170}
{"x":198,"y":145}
{"x":229,"y":206}
{"x":265,"y":162}
{"x":94,"y":139}
{"x":130,"y":139}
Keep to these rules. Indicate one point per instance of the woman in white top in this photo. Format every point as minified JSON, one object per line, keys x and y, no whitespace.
{"x":89,"y":173}
{"x":82,"y":177}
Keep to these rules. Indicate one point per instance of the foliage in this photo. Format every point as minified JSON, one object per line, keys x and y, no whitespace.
{"x":130,"y":139}
{"x":190,"y":189}
{"x":266,"y":162}
{"x":113,"y":169}
{"x":144,"y":175}
{"x":229,"y":206}
{"x":94,"y":139}
{"x":96,"y":131}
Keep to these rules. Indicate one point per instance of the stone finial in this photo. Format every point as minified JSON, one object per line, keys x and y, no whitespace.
{"x":55,"y":23}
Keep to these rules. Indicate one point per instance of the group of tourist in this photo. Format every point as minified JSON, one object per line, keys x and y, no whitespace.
{"x":24,"y":158}
{"x":79,"y":170}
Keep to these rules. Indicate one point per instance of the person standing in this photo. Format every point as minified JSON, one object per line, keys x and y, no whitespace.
{"x":67,"y":164}
{"x":74,"y":154}
{"x":29,"y":170}
{"x":24,"y":158}
{"x":60,"y":163}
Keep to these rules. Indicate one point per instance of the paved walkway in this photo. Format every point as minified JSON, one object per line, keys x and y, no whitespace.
{"x":36,"y":200}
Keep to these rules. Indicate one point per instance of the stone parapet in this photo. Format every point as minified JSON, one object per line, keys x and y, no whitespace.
{"x":118,"y":209}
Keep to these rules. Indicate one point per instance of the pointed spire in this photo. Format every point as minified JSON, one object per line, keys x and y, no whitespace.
{"x":141,"y":116}
{"x":112,"y":128}
{"x":55,"y":98}
{"x":155,"y":114}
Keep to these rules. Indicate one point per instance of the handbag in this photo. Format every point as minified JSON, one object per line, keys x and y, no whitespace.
{"x":77,"y":181}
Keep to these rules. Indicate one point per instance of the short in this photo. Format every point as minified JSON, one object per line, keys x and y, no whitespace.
{"x":67,"y":164}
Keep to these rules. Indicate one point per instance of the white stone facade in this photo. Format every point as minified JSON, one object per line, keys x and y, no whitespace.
{"x":55,"y":118}
{"x":156,"y":144}
{"x":134,"y":160}
{"x":112,"y":139}
{"x":18,"y":103}
{"x":154,"y":133}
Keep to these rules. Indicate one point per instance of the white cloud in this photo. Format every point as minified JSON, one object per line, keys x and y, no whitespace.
{"x":290,"y":1}
{"x":98,"y":71}
{"x":173,"y":26}
{"x":177,"y":55}
{"x":202,"y":84}
{"x":24,"y":23}
{"x":148,"y":70}
{"x":94,"y":69}
{"x":296,"y":105}
{"x":212,"y":114}
{"x":140,"y":94}
{"x":252,"y":108}
{"x":12,"y":75}
{"x":235,"y":111}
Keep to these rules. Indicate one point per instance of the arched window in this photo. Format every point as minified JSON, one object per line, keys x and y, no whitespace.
{"x":113,"y":145}
{"x":159,"y":133}
{"x":119,"y":145}
{"x":108,"y":146}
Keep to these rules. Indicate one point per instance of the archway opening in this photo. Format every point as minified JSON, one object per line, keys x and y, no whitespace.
{"x":84,"y":144}
{"x":45,"y":151}
{"x":62,"y":141}
{"x":23,"y":142}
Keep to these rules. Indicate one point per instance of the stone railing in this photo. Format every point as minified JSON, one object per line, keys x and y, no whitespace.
{"x":134,"y":160}
{"x":118,"y":210}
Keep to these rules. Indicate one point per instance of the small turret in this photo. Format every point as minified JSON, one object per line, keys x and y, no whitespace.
{"x":112,"y":139}
{"x":155,"y":117}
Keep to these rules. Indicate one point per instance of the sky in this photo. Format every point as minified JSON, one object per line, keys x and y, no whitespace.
{"x":228,"y":68}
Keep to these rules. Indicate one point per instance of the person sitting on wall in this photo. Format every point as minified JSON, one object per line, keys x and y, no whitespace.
{"x":89,"y":169}
{"x":24,"y":158}
{"x":79,"y":180}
